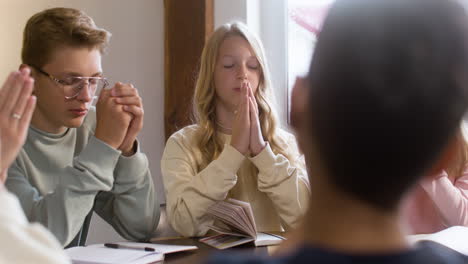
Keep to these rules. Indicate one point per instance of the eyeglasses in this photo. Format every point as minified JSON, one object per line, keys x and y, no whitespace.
{"x":72,"y":86}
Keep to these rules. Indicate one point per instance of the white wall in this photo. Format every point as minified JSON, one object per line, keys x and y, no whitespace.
{"x":229,"y":10}
{"x":136,"y":54}
{"x":272,"y":15}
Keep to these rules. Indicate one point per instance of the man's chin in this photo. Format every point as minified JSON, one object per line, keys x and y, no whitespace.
{"x":74,"y":123}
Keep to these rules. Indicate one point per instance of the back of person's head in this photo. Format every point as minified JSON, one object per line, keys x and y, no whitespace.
{"x":56,"y":28}
{"x":387,"y":92}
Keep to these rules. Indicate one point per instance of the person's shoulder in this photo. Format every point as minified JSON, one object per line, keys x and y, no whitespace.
{"x":285,"y":136}
{"x":185,"y":134}
{"x":432,"y":252}
{"x":302,"y":254}
{"x":288,"y":141}
{"x":241,"y":259}
{"x":284,"y":133}
{"x":427,"y":253}
{"x":182,"y":140}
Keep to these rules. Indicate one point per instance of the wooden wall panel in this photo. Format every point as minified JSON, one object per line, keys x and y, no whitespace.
{"x":188,"y":23}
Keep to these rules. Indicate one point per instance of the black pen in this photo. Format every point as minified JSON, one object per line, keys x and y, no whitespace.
{"x":112,"y":245}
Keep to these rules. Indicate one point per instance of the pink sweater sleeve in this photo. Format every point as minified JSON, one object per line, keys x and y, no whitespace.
{"x":451,"y":199}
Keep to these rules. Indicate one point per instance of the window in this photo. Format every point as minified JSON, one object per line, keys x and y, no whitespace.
{"x":304,"y":21}
{"x":288,"y":30}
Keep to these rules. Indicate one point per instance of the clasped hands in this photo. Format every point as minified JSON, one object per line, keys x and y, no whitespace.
{"x":119,"y":114}
{"x":246,"y":130}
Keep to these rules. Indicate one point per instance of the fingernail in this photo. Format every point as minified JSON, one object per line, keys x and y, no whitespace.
{"x":113,"y":92}
{"x":26,"y":71}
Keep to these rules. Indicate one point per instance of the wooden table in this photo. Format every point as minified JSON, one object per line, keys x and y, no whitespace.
{"x":198,"y":256}
{"x":166,"y":235}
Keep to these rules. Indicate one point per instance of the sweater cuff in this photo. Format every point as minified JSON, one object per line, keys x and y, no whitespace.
{"x":136,"y":146}
{"x":131,"y":168}
{"x":264,"y":159}
{"x":98,"y":157}
{"x":231,"y":158}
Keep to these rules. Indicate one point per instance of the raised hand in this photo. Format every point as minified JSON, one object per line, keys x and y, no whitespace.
{"x":16,"y":109}
{"x":128,"y":96}
{"x":240,"y":139}
{"x":112,"y":121}
{"x":257,"y":143}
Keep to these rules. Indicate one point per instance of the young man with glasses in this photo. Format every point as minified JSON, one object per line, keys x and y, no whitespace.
{"x":78,"y":159}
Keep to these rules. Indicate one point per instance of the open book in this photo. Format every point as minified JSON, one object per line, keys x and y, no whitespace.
{"x":99,"y":254}
{"x":236,"y":226}
{"x":455,"y":237}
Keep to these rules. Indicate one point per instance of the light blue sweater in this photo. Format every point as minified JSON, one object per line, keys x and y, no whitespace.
{"x":60,"y":179}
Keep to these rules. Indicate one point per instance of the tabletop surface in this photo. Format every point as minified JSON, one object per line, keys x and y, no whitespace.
{"x":203,"y":251}
{"x":166,"y":235}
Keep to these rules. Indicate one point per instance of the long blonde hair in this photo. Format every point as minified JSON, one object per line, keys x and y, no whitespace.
{"x":204,"y":99}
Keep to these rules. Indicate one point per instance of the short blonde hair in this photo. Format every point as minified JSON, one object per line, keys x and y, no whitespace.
{"x":205,"y":94}
{"x":53,"y":28}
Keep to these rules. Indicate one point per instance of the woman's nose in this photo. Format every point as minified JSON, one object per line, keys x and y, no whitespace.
{"x":242,"y":73}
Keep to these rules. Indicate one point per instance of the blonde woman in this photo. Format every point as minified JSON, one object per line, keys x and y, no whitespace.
{"x":235,"y":149}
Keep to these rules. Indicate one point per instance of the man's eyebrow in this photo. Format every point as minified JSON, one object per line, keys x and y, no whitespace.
{"x":75,"y":74}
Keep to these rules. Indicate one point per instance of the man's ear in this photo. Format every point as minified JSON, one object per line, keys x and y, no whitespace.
{"x":447,"y":156}
{"x":299,"y":98}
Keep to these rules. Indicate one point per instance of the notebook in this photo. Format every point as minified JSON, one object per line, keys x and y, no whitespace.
{"x":236,"y":226}
{"x":455,"y":237}
{"x":99,"y":254}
